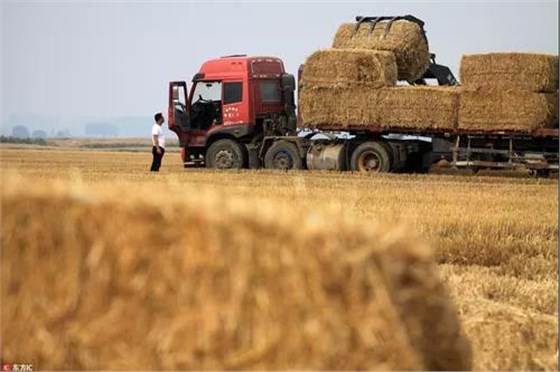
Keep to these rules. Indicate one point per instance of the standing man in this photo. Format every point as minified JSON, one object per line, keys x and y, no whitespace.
{"x":158,"y":142}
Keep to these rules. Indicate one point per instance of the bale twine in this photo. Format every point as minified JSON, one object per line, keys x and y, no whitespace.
{"x":510,"y":71}
{"x":405,"y":39}
{"x":348,"y":68}
{"x":91,"y":282}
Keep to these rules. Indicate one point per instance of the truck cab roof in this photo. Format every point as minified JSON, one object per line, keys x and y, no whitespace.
{"x":241,"y":66}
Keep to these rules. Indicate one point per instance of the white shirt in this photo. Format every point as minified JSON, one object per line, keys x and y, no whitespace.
{"x":157,"y":131}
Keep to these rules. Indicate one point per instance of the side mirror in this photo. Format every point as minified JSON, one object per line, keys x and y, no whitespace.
{"x":175,"y":93}
{"x":288,"y":82}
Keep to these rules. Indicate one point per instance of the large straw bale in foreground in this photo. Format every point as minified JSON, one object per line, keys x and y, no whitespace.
{"x":519,"y":71}
{"x":397,"y":107}
{"x":345,"y":68}
{"x":405,"y":39}
{"x":507,"y":110}
{"x":92,"y":282}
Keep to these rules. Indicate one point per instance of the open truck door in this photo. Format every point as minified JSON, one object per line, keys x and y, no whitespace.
{"x":178,"y":114}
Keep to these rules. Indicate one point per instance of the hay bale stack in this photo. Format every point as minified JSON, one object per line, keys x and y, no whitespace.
{"x":507,"y":110}
{"x":405,"y":39}
{"x":507,"y":71}
{"x":322,"y":108}
{"x":419,"y":107}
{"x":348,"y":68}
{"x":91,"y":282}
{"x":397,"y":107}
{"x":509,"y":92}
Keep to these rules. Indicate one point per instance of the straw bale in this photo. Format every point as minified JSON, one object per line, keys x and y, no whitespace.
{"x":511,"y":71}
{"x":95,"y":282}
{"x":396,"y":107}
{"x":507,"y":110}
{"x":345,"y":68}
{"x":419,"y":107}
{"x":405,"y":40}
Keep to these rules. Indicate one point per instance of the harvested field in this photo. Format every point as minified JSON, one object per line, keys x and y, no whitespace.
{"x":349,"y":68}
{"x":105,"y":271}
{"x":511,"y":71}
{"x":517,"y":317}
{"x":397,"y":107}
{"x":405,"y":40}
{"x":529,"y":341}
{"x":495,"y":239}
{"x":507,"y":110}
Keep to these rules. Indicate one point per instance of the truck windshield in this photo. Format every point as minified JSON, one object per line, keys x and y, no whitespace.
{"x":208,"y":91}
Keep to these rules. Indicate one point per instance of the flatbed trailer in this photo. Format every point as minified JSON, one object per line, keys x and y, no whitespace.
{"x":407,"y":150}
{"x":535,"y":150}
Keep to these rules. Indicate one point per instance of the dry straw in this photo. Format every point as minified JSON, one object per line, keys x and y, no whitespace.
{"x":529,"y":338}
{"x":397,"y":107}
{"x":405,"y":39}
{"x":502,"y":110}
{"x":520,"y":71}
{"x":511,"y":322}
{"x":346,"y":68}
{"x":92,"y":282}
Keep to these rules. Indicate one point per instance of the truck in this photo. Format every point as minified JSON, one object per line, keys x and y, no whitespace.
{"x":240,"y":112}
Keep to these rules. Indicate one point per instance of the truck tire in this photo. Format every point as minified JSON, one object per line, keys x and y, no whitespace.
{"x":226,"y":154}
{"x":371,"y":157}
{"x":283,"y":155}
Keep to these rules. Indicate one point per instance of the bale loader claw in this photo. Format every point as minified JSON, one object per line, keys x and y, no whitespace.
{"x":373,"y":21}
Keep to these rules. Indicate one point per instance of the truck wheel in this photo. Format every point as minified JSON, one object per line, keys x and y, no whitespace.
{"x":371,"y":157}
{"x":283,"y":155}
{"x":226,"y":154}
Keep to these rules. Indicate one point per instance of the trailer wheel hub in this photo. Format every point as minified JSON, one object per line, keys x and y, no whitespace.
{"x":369,"y":162}
{"x":283,"y":160}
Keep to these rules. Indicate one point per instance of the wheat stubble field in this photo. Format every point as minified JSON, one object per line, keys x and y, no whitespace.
{"x":495,"y":241}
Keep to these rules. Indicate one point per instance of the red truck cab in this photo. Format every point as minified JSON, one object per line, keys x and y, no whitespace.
{"x":232,"y":100}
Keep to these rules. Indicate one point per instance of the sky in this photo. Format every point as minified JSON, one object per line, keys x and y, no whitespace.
{"x":68,"y":59}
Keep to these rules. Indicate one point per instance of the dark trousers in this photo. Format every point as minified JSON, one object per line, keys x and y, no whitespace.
{"x":156,"y":162}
